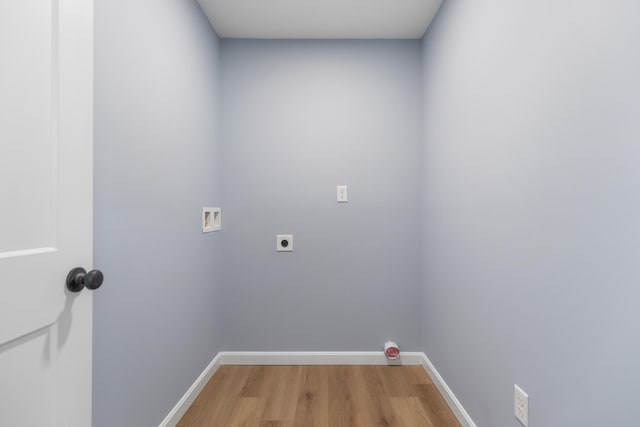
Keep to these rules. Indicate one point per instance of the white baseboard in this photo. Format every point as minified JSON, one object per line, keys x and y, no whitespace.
{"x":315,"y":358}
{"x":458,"y":410}
{"x":318,"y":358}
{"x":185,"y":402}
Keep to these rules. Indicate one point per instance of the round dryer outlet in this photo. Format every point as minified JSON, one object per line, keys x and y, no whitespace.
{"x":284,"y":243}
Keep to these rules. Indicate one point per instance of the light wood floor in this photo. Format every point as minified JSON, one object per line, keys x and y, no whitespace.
{"x":327,"y":396}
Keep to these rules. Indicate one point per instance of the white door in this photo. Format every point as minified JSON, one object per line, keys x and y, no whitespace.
{"x":46,"y":134}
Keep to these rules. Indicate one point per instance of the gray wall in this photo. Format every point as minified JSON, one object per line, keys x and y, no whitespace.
{"x":157,"y":163}
{"x":532,"y":210}
{"x":301,"y":117}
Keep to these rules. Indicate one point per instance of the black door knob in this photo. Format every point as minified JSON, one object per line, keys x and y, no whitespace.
{"x":78,"y":279}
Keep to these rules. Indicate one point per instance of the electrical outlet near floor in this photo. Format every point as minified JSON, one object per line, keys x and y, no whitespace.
{"x":521,"y":405}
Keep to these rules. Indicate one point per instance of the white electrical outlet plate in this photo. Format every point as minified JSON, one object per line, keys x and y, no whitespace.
{"x":521,"y":405}
{"x":341,"y":191}
{"x":211,"y":219}
{"x":284,"y":243}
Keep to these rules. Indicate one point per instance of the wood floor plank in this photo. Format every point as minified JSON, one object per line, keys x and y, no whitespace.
{"x":312,"y":409}
{"x":416,"y":375}
{"x":214,"y":404}
{"x":342,"y":389}
{"x":259,"y":381}
{"x":374,"y":409}
{"x":394,"y":380}
{"x":409,"y":412}
{"x":247,"y":412}
{"x":281,"y":403}
{"x":438,"y":413}
{"x":319,"y":396}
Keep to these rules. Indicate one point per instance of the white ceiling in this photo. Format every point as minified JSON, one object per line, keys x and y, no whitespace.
{"x":320,"y":19}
